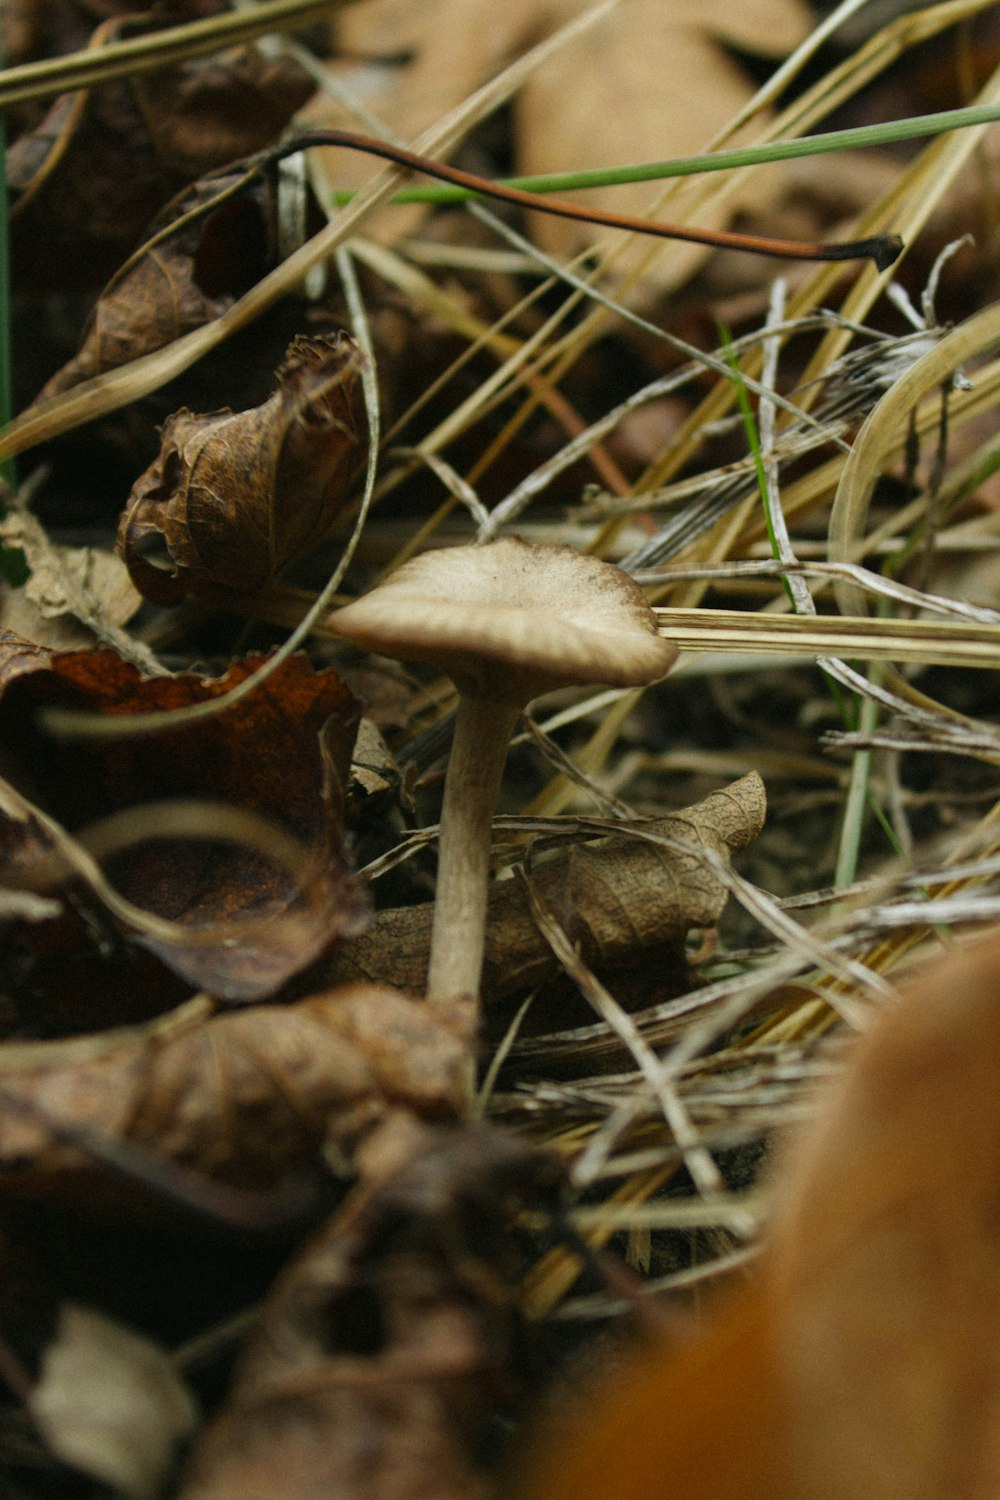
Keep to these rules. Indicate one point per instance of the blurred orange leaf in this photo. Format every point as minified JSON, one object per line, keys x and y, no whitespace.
{"x":864,"y":1361}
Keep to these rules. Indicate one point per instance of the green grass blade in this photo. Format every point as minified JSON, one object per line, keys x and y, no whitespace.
{"x":885,"y":133}
{"x":753,"y":442}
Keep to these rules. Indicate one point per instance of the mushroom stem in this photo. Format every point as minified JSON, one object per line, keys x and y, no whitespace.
{"x":483,"y":729}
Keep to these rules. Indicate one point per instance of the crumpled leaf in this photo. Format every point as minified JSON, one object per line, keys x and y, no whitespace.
{"x":382,"y":1352}
{"x":864,"y":1361}
{"x":281,"y":753}
{"x":110,"y":1402}
{"x":619,"y":901}
{"x":88,"y":179}
{"x":242,"y":1099}
{"x":71,"y":595}
{"x":236,"y":496}
{"x":647,"y":82}
{"x":209,"y":243}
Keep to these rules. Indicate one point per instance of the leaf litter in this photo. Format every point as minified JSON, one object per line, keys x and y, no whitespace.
{"x":657,"y":1017}
{"x":683,"y":86}
{"x":236,"y":497}
{"x":93,"y":172}
{"x":284,"y":757}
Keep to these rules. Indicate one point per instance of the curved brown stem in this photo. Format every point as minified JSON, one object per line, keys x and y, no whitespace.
{"x":883,"y":249}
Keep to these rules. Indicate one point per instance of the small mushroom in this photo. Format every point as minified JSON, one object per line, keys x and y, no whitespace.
{"x":506,"y":622}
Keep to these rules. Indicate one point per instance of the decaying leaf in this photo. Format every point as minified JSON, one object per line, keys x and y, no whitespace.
{"x":241,"y":1099}
{"x":864,"y":1362}
{"x":619,"y":900}
{"x":281,"y":753}
{"x":72,"y":594}
{"x":648,"y":81}
{"x":384,"y":1350}
{"x":88,"y":179}
{"x":236,"y":496}
{"x":208,"y":244}
{"x":110,"y":1402}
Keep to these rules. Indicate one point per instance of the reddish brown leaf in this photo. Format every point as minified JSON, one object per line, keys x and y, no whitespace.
{"x":281,"y":753}
{"x":382,"y":1352}
{"x":89,"y":178}
{"x":236,"y":496}
{"x":240,"y":1098}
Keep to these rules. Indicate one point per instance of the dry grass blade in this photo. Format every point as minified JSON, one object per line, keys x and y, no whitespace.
{"x":918,"y":188}
{"x":946,"y":642}
{"x":703,"y":1169}
{"x":885,"y":428}
{"x":78,"y":70}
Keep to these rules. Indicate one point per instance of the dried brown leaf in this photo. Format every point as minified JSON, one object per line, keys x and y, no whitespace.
{"x":242,"y":1099}
{"x":88,"y":179}
{"x":236,"y":496}
{"x":34,"y":29}
{"x":618,"y":900}
{"x":646,"y":83}
{"x":208,"y":244}
{"x":281,"y":754}
{"x":72,"y":594}
{"x":384,"y":1349}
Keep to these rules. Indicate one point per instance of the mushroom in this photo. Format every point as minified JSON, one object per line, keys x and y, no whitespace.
{"x":506,"y":622}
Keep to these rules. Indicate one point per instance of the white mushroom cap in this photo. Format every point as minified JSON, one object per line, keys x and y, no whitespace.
{"x":512,"y":620}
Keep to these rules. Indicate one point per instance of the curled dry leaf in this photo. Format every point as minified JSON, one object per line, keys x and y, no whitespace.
{"x":281,"y":753}
{"x":236,"y":496}
{"x":243,"y":1099}
{"x":619,"y":901}
{"x":384,"y":1350}
{"x":210,"y":242}
{"x":110,"y":1402}
{"x":88,"y":179}
{"x":864,"y":1362}
{"x":71,"y":596}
